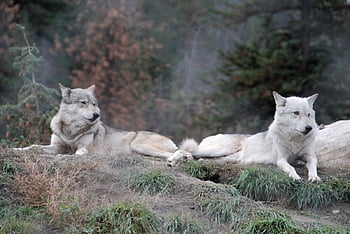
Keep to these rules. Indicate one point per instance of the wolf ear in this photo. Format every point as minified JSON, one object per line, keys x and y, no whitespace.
{"x":312,"y":99}
{"x":279,"y":100}
{"x":65,"y":92}
{"x":92,"y":88}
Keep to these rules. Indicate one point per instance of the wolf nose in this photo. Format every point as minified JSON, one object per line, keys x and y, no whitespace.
{"x":95,"y":115}
{"x":308,"y":128}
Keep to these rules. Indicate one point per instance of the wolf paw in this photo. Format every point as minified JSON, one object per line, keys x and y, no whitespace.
{"x":178,"y":155}
{"x":81,"y":151}
{"x":296,"y":178}
{"x":314,"y":179}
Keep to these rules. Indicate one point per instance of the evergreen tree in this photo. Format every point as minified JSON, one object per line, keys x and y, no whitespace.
{"x":28,"y":120}
{"x":287,"y":52}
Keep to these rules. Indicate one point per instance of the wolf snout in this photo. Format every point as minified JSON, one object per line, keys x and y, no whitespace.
{"x":95,"y":116}
{"x":308,"y":129}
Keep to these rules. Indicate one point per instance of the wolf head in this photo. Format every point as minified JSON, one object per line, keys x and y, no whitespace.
{"x":80,"y":105}
{"x":295,"y":114}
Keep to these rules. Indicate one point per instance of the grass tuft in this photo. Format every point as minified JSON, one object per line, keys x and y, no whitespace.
{"x":124,"y":218}
{"x":7,"y":170}
{"x":272,"y":225}
{"x":226,"y":209}
{"x":40,"y":184}
{"x":175,"y":224}
{"x":206,"y":191}
{"x":314,"y":196}
{"x":8,"y":167}
{"x":318,"y":228}
{"x":197,"y":169}
{"x":269,"y":221}
{"x":341,"y":186}
{"x":152,"y":183}
{"x":20,"y":219}
{"x":264,"y":184}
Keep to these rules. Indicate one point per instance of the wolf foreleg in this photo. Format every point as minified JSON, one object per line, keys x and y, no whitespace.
{"x":311,"y":165}
{"x":286,"y":167}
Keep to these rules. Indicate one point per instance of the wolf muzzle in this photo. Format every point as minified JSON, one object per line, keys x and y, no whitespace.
{"x":308,"y":129}
{"x":95,"y":116}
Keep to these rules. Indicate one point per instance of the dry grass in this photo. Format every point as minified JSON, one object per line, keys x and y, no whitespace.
{"x":44,"y":184}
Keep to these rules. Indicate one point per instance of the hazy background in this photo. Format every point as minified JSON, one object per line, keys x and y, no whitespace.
{"x":184,"y":68}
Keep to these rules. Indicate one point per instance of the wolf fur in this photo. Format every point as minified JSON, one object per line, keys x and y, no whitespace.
{"x":290,"y":136}
{"x":77,"y":128}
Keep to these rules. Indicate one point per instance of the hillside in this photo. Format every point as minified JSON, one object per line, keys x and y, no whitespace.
{"x":137,"y":194}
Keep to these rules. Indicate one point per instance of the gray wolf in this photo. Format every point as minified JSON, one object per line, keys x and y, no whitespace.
{"x":290,"y":137}
{"x":77,"y":128}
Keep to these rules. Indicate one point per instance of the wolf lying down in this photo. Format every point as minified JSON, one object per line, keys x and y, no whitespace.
{"x":77,"y":128}
{"x":290,"y":137}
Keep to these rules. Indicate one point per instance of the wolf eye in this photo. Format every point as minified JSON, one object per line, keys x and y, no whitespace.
{"x":308,"y":114}
{"x":296,"y":112}
{"x":83,"y":102}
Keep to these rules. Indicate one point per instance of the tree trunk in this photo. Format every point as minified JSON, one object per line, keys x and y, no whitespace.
{"x":305,"y":34}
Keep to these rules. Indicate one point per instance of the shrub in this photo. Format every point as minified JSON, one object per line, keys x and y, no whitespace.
{"x":40,"y":184}
{"x":152,"y":183}
{"x":266,"y":184}
{"x":175,"y":224}
{"x":124,"y":218}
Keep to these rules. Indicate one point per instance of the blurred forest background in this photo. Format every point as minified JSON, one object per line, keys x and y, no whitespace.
{"x":177,"y":67}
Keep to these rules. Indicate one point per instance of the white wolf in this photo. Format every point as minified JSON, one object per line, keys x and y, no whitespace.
{"x":77,"y":128}
{"x":291,"y":136}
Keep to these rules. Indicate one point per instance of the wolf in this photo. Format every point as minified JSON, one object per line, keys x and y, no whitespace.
{"x":78,"y":129}
{"x":290,"y":137}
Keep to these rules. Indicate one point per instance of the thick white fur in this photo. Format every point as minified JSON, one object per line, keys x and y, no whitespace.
{"x":286,"y":140}
{"x":77,"y":128}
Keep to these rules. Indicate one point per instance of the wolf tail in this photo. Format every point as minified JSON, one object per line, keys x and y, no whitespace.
{"x":189,"y":145}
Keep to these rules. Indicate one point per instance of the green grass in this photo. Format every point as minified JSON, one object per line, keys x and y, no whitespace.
{"x":7,"y":169}
{"x":206,"y":191}
{"x":20,"y":219}
{"x":269,"y":221}
{"x":272,"y":225}
{"x":153,"y":182}
{"x":124,"y":218}
{"x":314,"y":196}
{"x":226,"y":209}
{"x":197,"y":169}
{"x":269,"y":184}
{"x":175,"y":224}
{"x":324,"y":229}
{"x":341,"y":186}
{"x":264,"y":184}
